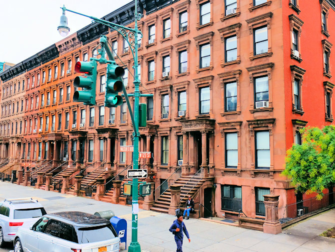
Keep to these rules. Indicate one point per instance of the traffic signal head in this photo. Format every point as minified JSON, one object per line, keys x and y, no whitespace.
{"x":114,"y":85}
{"x":127,"y":189}
{"x":87,"y":82}
{"x":145,"y":189}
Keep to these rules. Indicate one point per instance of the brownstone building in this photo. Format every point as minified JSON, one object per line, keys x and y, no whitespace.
{"x":233,"y":82}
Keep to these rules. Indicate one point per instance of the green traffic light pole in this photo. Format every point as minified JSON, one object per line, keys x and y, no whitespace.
{"x":131,"y":36}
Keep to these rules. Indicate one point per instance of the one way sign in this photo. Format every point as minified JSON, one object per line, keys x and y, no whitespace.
{"x":137,"y":173}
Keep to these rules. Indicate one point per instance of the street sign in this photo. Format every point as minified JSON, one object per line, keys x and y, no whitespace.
{"x":129,"y":148}
{"x":137,"y":173}
{"x":145,"y":155}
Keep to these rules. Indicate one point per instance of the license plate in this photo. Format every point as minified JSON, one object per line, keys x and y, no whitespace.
{"x":103,"y":249}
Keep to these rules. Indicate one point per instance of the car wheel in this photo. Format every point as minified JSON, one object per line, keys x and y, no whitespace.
{"x":18,"y":246}
{"x":2,"y":242}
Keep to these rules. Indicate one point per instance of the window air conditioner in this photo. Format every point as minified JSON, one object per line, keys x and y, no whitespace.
{"x":180,"y":162}
{"x":181,"y":113}
{"x":151,"y":41}
{"x":231,"y":11}
{"x":166,"y":74}
{"x":166,"y":115}
{"x":73,"y":126}
{"x":296,"y":54}
{"x":68,"y":71}
{"x":81,"y":125}
{"x":262,"y":104}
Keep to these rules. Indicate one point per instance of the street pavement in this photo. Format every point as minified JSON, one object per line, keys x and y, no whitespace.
{"x":205,"y":236}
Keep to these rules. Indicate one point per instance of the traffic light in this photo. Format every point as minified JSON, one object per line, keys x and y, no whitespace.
{"x":145,"y":189}
{"x":114,"y":85}
{"x":87,"y":82}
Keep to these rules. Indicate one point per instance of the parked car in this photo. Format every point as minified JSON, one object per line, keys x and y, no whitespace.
{"x":68,"y":232}
{"x":16,"y":213}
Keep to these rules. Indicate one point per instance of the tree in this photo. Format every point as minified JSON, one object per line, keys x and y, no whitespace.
{"x":311,"y":165}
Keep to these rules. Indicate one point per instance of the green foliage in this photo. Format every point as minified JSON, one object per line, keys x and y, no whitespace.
{"x":311,"y":165}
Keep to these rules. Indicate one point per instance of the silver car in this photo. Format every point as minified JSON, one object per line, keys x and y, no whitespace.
{"x":16,"y":213}
{"x":68,"y":232}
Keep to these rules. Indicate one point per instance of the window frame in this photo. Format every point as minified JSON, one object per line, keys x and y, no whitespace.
{"x":163,"y":150}
{"x":256,"y":151}
{"x":200,"y":101}
{"x":231,"y":197}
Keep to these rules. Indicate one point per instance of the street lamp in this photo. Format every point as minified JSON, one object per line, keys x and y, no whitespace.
{"x":63,"y":28}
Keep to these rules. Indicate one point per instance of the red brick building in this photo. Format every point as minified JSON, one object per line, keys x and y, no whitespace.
{"x":233,"y":82}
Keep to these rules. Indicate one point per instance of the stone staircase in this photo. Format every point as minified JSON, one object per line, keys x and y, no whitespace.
{"x":108,"y":196}
{"x":45,"y":168}
{"x":189,"y":187}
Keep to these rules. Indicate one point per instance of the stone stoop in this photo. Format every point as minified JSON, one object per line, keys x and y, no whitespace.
{"x":250,"y":223}
{"x":108,"y":196}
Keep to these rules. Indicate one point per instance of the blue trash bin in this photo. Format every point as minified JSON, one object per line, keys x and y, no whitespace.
{"x":120,"y":226}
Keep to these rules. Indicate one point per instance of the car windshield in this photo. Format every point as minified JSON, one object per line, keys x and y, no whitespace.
{"x":29,"y":213}
{"x":95,"y":234}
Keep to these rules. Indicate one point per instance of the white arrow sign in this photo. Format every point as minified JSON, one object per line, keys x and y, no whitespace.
{"x":137,"y":173}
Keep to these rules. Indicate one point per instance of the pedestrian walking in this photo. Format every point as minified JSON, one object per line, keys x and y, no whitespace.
{"x":177,"y":228}
{"x":189,"y":207}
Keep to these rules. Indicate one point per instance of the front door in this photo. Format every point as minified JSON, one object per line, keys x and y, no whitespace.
{"x":208,"y":202}
{"x":81,"y":151}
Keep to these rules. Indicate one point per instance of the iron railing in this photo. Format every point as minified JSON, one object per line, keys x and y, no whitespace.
{"x":166,"y":181}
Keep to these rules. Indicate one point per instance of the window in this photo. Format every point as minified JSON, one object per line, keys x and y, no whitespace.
{"x":42,"y":100}
{"x":124,"y":112}
{"x":122,"y":154}
{"x":67,"y":120}
{"x":260,"y":207}
{"x":139,"y":72}
{"x":260,"y":40}
{"x":182,"y":101}
{"x":82,"y":117}
{"x":28,"y":156}
{"x":68,"y":93}
{"x":39,"y":150}
{"x":77,"y":59}
{"x":17,"y":105}
{"x":43,"y":77}
{"x":125,"y":46}
{"x":183,"y":18}
{"x":56,"y":72}
{"x":205,"y":55}
{"x":294,"y":2}
{"x":35,"y":126}
{"x":90,"y":152}
{"x":69,"y":65}
{"x":53,"y":122}
{"x":324,"y":21}
{"x":114,"y":47}
{"x":261,"y":89}
{"x":262,"y":150}
{"x":30,"y":126}
{"x":165,"y":106}
{"x":48,"y":98}
{"x":205,"y":13}
{"x":231,"y":199}
{"x":20,"y":127}
{"x":183,"y":62}
{"x":230,"y":97}
{"x":28,"y":84}
{"x":32,"y":84}
{"x":180,"y":147}
{"x":296,"y":92}
{"x":66,"y":149}
{"x":18,"y":86}
{"x":328,"y":110}
{"x":37,"y":101}
{"x":111,"y":115}
{"x":167,"y":28}
{"x":152,"y":35}
{"x":297,"y":138}
{"x":204,"y":100}
{"x":166,"y":65}
{"x":295,"y":39}
{"x":165,"y":150}
{"x":231,"y":150}
{"x":151,"y":75}
{"x":92,"y":117}
{"x":54,"y":96}
{"x":46,"y":123}
{"x":101,"y":141}
{"x":101,"y":115}
{"x":326,"y":60}
{"x":85,"y":57}
{"x":95,"y":53}
{"x":231,"y":6}
{"x":62,"y":70}
{"x":125,"y":77}
{"x":41,"y":123}
{"x":60,"y":95}
{"x":139,"y":40}
{"x":102,"y":83}
{"x":150,"y":108}
{"x":31,"y":104}
{"x":23,"y":85}
{"x":74,"y":119}
{"x":231,"y":49}
{"x":59,"y":121}
{"x":258,"y":2}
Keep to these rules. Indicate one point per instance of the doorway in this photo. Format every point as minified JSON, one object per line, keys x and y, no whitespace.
{"x":81,"y":151}
{"x":152,"y":150}
{"x":208,"y":202}
{"x":198,"y":149}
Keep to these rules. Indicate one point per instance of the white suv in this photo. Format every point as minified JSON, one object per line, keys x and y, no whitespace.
{"x":68,"y":232}
{"x":15,"y":213}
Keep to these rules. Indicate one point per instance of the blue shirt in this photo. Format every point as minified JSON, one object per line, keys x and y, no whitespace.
{"x":182,"y":228}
